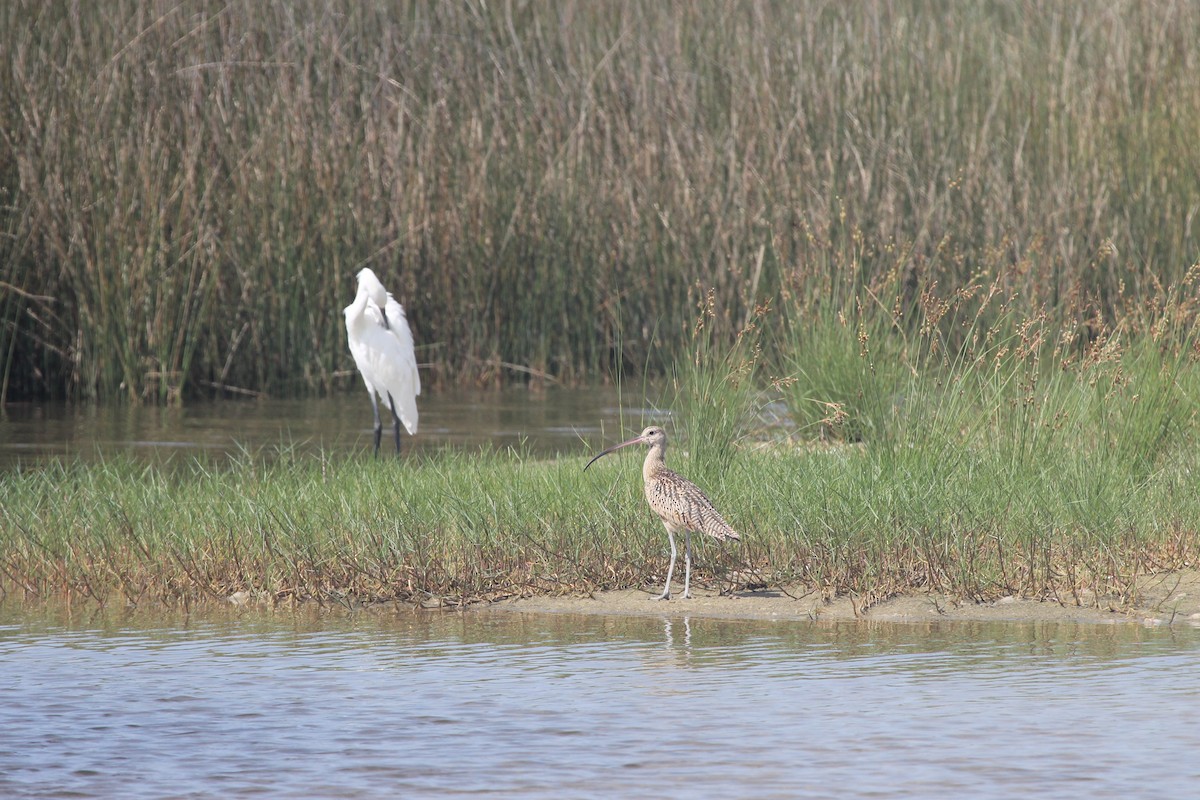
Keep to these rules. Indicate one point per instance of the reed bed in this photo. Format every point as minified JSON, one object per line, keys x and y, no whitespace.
{"x":187,"y":188}
{"x":919,"y":280}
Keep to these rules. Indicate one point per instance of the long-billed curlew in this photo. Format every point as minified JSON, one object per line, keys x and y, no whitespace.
{"x":678,"y":502}
{"x":382,"y":346}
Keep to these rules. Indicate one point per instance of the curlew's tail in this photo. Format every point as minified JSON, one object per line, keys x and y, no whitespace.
{"x":730,"y":533}
{"x":716,"y":527}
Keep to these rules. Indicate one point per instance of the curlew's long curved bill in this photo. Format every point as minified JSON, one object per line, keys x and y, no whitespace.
{"x":614,"y":448}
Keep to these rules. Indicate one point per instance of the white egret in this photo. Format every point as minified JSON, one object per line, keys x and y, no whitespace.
{"x":382,"y":346}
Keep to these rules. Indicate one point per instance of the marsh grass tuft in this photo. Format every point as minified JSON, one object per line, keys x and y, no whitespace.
{"x":716,"y":390}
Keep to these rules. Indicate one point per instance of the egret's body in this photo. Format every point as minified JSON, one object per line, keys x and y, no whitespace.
{"x":382,"y":346}
{"x":678,"y":502}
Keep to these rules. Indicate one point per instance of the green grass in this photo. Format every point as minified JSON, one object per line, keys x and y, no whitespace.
{"x":453,"y":526}
{"x":186,"y":190}
{"x":982,"y":483}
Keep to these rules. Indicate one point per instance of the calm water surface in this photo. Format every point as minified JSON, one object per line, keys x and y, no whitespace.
{"x":543,"y":422}
{"x":401,"y":704}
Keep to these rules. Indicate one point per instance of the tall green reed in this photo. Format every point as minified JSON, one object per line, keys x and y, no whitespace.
{"x":715,"y":388}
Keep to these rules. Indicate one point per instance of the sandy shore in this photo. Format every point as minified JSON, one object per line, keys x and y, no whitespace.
{"x":1164,"y":599}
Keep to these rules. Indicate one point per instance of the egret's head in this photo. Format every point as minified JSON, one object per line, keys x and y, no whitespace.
{"x":368,"y":281}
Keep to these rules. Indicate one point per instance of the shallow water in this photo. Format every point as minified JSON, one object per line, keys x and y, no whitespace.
{"x":545,"y":423}
{"x":410,"y":704}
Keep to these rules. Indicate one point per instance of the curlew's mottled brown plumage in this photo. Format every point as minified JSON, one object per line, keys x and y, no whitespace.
{"x":678,"y":502}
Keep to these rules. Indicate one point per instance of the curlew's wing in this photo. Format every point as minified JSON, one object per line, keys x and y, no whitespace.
{"x":680,"y":504}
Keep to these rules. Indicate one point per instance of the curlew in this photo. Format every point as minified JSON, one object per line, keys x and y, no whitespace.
{"x":678,"y":502}
{"x":382,"y":346}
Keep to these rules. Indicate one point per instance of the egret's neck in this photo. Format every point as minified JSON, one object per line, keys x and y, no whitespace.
{"x":655,"y":460}
{"x":356,"y":309}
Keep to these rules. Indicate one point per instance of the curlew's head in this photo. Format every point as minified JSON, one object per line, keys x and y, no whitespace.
{"x":653,"y":436}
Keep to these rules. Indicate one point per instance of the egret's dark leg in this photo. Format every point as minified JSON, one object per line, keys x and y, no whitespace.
{"x":395,"y":421}
{"x":378,"y":424}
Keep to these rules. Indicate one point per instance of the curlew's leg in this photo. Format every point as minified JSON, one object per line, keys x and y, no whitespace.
{"x":666,"y":595}
{"x":687,"y":564}
{"x":378,"y":424}
{"x":395,"y":422}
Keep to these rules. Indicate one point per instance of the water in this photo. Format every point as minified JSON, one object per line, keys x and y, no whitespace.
{"x":542,"y":422}
{"x":406,"y":704}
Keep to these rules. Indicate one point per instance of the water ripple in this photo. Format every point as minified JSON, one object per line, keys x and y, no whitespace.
{"x":443,"y":706}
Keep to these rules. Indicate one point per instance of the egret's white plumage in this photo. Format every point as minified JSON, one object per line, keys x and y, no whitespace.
{"x":382,"y":346}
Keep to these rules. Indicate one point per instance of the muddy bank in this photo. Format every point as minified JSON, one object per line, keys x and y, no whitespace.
{"x":1163,"y":599}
